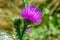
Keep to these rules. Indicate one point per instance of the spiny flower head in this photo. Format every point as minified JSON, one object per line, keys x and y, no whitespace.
{"x":33,"y":14}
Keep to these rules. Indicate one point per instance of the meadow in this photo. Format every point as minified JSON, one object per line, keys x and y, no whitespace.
{"x":48,"y":29}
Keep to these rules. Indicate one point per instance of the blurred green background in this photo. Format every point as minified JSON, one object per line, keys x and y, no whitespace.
{"x":49,"y":29}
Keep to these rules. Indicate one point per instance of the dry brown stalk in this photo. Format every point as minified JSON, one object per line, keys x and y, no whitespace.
{"x":54,"y":8}
{"x":51,"y":4}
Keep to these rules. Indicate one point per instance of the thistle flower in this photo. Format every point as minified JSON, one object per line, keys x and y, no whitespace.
{"x":29,"y":31}
{"x":32,"y":14}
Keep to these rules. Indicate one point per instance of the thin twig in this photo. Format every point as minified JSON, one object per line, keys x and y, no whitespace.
{"x":53,"y":9}
{"x":51,"y":4}
{"x":58,"y":9}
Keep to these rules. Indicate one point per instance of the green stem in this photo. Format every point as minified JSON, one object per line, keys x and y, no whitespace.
{"x":26,"y":3}
{"x":18,"y":31}
{"x":17,"y":23}
{"x":24,"y":29}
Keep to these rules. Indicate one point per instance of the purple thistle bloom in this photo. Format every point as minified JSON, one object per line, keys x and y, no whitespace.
{"x":29,"y":31}
{"x":32,"y":14}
